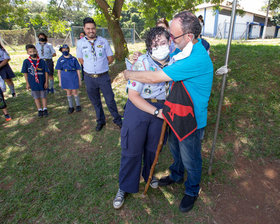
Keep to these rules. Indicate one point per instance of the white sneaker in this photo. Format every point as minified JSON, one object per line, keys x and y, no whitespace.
{"x":119,"y":199}
{"x":154,"y":182}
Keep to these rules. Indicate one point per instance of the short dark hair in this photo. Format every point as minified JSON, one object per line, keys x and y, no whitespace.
{"x":42,"y":34}
{"x":162,"y":21}
{"x":152,"y":34}
{"x":88,"y":20}
{"x":83,"y":33}
{"x":189,"y":23}
{"x":29,"y":46}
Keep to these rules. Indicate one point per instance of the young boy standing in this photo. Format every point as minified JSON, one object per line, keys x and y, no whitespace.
{"x":35,"y":71}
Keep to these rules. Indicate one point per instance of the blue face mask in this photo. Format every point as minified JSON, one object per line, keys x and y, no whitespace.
{"x":65,"y":53}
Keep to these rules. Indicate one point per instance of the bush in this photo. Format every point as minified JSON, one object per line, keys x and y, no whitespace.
{"x":18,"y":37}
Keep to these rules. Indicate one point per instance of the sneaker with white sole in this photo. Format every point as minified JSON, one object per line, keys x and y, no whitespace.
{"x":119,"y":199}
{"x":154,"y":182}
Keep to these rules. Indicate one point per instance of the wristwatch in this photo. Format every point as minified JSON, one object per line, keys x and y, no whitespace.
{"x":156,"y":112}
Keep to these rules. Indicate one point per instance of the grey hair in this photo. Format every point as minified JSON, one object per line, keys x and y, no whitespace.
{"x":189,"y":23}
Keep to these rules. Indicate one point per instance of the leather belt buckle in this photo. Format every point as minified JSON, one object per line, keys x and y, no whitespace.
{"x":154,"y":100}
{"x":65,"y":70}
{"x":95,"y":76}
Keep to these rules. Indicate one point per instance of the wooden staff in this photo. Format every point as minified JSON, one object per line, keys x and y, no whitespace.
{"x":159,"y":147}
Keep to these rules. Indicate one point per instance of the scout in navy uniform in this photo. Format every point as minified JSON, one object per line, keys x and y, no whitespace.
{"x":69,"y":77}
{"x":35,"y":71}
{"x":142,"y":122}
{"x":5,"y":70}
{"x":95,"y":54}
{"x":3,"y":104}
{"x":46,"y":52}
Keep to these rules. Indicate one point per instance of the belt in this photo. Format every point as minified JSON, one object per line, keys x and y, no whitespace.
{"x":69,"y":70}
{"x":47,"y":59}
{"x":155,"y":101}
{"x":95,"y":75}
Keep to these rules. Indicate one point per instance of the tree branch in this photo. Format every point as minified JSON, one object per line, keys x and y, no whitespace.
{"x":118,"y":8}
{"x":104,"y":6}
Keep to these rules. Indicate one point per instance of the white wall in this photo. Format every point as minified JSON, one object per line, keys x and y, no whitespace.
{"x":209,"y":22}
{"x":247,"y":17}
{"x":255,"y":31}
{"x":270,"y":31}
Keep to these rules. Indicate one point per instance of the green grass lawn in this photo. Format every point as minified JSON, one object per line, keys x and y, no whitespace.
{"x":59,"y":170}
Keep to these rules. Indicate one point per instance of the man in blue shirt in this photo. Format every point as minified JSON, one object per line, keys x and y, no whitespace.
{"x":95,"y":54}
{"x":193,"y":66}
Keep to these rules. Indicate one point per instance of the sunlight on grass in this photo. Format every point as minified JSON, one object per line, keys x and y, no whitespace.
{"x":170,"y":197}
{"x":52,"y":126}
{"x":87,"y":137}
{"x":6,"y":152}
{"x":147,"y":209}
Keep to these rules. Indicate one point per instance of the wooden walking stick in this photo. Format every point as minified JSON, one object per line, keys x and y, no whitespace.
{"x":159,"y":147}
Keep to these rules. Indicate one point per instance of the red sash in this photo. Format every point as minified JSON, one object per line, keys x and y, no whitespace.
{"x":35,"y":67}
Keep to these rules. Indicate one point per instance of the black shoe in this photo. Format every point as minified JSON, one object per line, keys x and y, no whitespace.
{"x":45,"y":113}
{"x":70,"y":110}
{"x":78,"y":108}
{"x":119,"y":125}
{"x":187,"y":203}
{"x":99,"y":127}
{"x":14,"y":95}
{"x":40,"y":113}
{"x":167,"y":181}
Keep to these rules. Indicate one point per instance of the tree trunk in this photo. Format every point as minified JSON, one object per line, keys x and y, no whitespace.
{"x":114,"y":28}
{"x":120,"y":45}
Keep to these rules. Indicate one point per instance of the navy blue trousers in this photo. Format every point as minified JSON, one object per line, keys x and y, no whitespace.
{"x":140,"y":135}
{"x":103,"y":83}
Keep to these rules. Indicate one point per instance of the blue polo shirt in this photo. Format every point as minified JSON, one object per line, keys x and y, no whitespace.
{"x":196,"y":72}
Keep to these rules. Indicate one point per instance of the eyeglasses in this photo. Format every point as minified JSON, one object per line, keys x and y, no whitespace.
{"x":174,"y":38}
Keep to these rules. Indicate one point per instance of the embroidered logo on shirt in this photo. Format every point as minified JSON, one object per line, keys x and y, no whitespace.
{"x":148,"y":91}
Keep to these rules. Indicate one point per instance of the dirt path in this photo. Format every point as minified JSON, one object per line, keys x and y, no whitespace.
{"x":252,"y":196}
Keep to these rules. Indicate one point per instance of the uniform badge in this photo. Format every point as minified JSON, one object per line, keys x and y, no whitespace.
{"x":39,"y":69}
{"x":137,"y":65}
{"x":128,"y":82}
{"x":133,"y":84}
{"x":100,"y":46}
{"x":147,"y":91}
{"x":152,"y":69}
{"x":100,"y":54}
{"x":86,"y":56}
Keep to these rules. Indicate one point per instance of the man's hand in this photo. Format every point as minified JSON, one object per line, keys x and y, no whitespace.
{"x":80,"y":83}
{"x":59,"y":84}
{"x":27,"y":86}
{"x":135,"y":56}
{"x":46,"y":85}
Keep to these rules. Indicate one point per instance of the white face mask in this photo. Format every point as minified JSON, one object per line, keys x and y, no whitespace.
{"x":161,"y":52}
{"x":186,"y":52}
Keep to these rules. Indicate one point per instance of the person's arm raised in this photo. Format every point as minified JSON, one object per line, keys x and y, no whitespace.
{"x":147,"y":76}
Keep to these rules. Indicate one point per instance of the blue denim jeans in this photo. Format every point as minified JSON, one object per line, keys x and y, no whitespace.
{"x":187,"y":156}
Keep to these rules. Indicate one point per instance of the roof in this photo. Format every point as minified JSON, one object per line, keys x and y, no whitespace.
{"x":228,"y":5}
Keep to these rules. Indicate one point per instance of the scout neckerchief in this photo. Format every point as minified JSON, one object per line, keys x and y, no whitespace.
{"x":42,"y":49}
{"x":35,"y":67}
{"x":92,"y":47}
{"x":162,"y":66}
